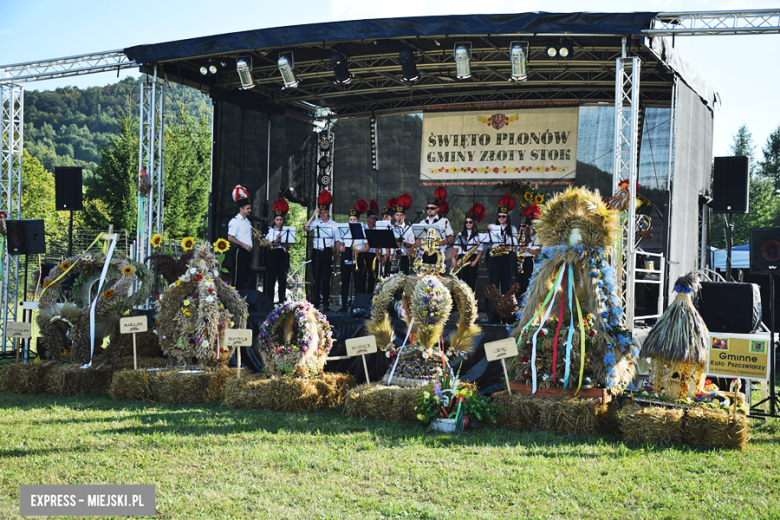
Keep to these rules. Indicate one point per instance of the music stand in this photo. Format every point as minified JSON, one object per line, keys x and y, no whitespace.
{"x":381,"y":238}
{"x":288,"y":235}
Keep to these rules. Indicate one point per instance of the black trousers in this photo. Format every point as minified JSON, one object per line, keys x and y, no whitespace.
{"x":276,"y":266}
{"x":469,"y":274}
{"x":322,"y":260}
{"x":525,"y":277}
{"x":365,"y":280}
{"x":241,"y":260}
{"x":347,"y":270}
{"x":500,"y":275}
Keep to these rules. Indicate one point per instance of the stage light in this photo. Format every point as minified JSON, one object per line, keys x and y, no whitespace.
{"x":340,"y":69}
{"x":408,"y":67}
{"x":245,"y":75}
{"x":213,"y":69}
{"x":552,"y":52}
{"x":463,"y":60}
{"x":286,"y":65}
{"x":518,"y":54}
{"x":204,"y":70}
{"x":563,"y":52}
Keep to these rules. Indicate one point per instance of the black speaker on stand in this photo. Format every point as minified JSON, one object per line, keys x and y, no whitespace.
{"x":67,"y":186}
{"x":730,"y":194}
{"x":765,"y":259}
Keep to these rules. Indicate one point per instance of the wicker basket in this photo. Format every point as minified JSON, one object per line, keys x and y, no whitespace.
{"x":444,"y":425}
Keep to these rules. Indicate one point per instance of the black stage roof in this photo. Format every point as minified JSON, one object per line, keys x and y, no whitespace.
{"x":372,"y":48}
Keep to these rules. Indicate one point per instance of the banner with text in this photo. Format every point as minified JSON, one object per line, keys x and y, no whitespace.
{"x":499,"y":146}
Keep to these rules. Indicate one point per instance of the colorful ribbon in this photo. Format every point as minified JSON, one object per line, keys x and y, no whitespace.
{"x":398,"y":356}
{"x":556,"y":285}
{"x":582,"y":342}
{"x":92,"y":307}
{"x":558,"y":330}
{"x":571,"y":331}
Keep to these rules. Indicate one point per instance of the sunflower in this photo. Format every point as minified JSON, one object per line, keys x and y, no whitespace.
{"x":128,"y":270}
{"x":64,"y":266}
{"x":539,"y":198}
{"x":156,"y":240}
{"x":528,"y":196}
{"x":188,"y":243}
{"x":108,"y":295}
{"x":47,"y":283}
{"x":221,"y":245}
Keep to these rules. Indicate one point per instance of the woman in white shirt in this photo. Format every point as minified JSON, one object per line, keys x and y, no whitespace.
{"x":278,"y":258}
{"x":465,"y":241}
{"x":500,"y":267}
{"x":352,"y":248}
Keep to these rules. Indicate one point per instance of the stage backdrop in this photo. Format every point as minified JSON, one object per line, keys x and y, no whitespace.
{"x":499,"y":145}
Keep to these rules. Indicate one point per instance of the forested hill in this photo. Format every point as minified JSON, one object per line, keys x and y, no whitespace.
{"x":68,"y":126}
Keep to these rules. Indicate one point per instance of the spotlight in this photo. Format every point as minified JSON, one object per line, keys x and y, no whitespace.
{"x":286,"y":65}
{"x":563,"y":52}
{"x":340,"y":69}
{"x":408,"y":67}
{"x":518,"y":54}
{"x":463,"y":60}
{"x":213,"y":69}
{"x":244,"y":74}
{"x":204,"y":71}
{"x":552,"y":52}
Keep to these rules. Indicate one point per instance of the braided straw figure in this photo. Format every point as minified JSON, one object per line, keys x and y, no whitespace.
{"x":195,"y":310}
{"x":677,"y":345}
{"x":427,"y":299}
{"x":576,"y":233}
{"x":62,"y":314}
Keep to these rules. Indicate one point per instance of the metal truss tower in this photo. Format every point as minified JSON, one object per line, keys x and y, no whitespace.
{"x":626,"y":165}
{"x":151,"y":152}
{"x":11,"y":126}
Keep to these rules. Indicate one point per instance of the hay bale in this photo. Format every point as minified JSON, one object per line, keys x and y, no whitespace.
{"x":25,"y":378}
{"x":715,"y":428}
{"x":379,"y":401}
{"x":287,"y":393}
{"x":518,"y":412}
{"x":568,"y":415}
{"x":69,"y":379}
{"x":198,"y":385}
{"x":653,"y":425}
{"x":608,"y":417}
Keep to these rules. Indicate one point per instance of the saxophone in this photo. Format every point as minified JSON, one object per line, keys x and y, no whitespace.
{"x":464,"y":261}
{"x":522,"y":238}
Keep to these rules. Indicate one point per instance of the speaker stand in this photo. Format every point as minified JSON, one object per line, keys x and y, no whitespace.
{"x":70,"y":235}
{"x":772,"y":398}
{"x":729,"y":238}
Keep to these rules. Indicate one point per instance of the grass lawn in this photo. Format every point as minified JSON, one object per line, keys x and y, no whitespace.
{"x":211,"y":462}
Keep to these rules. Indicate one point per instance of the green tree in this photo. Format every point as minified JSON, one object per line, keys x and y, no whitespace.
{"x":763,"y":213}
{"x":115,"y":179}
{"x":187,"y":151}
{"x":742,"y":144}
{"x":770,"y":166}
{"x":38,"y":200}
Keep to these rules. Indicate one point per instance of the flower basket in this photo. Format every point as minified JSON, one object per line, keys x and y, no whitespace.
{"x":444,"y":425}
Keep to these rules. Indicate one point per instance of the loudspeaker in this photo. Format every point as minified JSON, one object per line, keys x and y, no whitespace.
{"x":730,"y":307}
{"x":67,"y":185}
{"x":25,"y":237}
{"x":765,"y":250}
{"x":730,"y":185}
{"x":257,"y":301}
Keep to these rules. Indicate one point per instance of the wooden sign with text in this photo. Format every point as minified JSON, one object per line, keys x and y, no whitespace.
{"x":133,"y":324}
{"x":238,"y":337}
{"x":501,"y":349}
{"x":18,"y":330}
{"x":360,"y":346}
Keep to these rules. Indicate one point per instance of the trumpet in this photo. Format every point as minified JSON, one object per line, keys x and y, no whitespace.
{"x":257,"y":235}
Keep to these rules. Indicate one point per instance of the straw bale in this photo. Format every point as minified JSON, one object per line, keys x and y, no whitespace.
{"x":68,"y":379}
{"x":653,"y":425}
{"x":568,"y":415}
{"x":171,"y":385}
{"x":379,"y":401}
{"x":25,"y":378}
{"x":518,"y":412}
{"x":607,"y":417}
{"x":287,"y":393}
{"x":714,"y":428}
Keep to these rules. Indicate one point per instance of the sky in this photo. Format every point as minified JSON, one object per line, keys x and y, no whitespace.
{"x":742,"y":68}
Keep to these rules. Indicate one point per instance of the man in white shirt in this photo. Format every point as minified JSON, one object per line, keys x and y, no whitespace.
{"x":371,"y":259}
{"x":500,"y":266}
{"x":404,"y":236}
{"x":240,"y":235}
{"x":352,"y":248}
{"x":527,"y":248}
{"x":326,"y":245}
{"x":442,"y":224}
